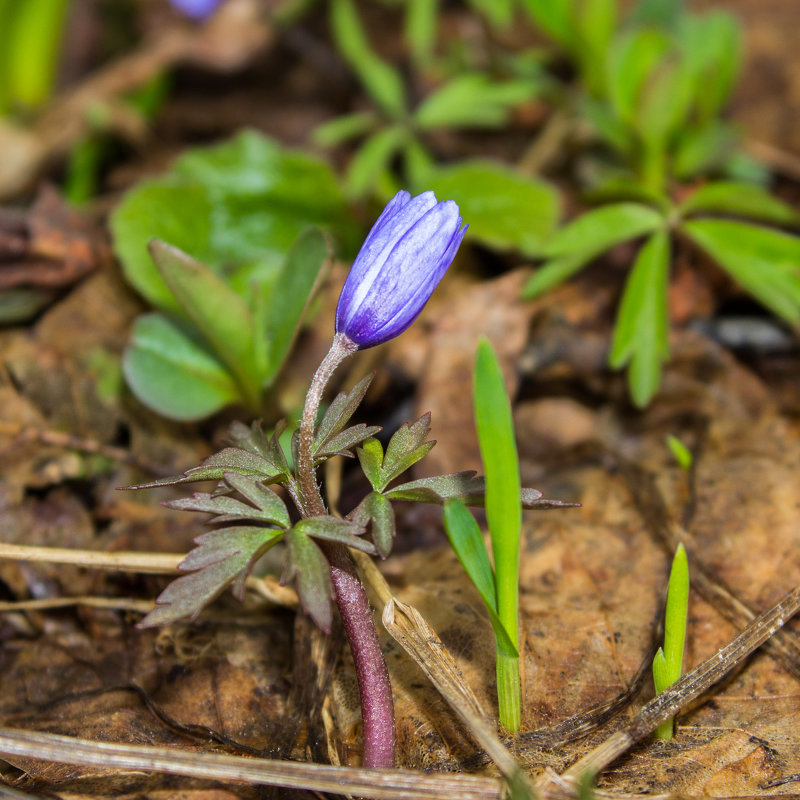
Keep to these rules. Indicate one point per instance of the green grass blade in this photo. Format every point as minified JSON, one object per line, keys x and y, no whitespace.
{"x":676,"y":615}
{"x":503,"y":491}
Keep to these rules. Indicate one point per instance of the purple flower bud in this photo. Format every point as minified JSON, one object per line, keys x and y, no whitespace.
{"x":399,"y":265}
{"x":196,"y":9}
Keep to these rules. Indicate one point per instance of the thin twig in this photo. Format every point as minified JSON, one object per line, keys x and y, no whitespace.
{"x":382,"y":784}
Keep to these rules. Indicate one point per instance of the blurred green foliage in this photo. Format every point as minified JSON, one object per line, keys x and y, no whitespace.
{"x":233,"y":283}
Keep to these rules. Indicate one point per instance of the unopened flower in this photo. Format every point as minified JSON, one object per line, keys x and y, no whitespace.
{"x":399,"y":265}
{"x":196,"y":9}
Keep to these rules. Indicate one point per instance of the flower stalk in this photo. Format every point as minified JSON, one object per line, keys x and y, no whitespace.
{"x":377,"y":705}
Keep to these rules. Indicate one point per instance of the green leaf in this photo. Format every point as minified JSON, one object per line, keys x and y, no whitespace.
{"x":222,"y":557}
{"x":602,"y":228}
{"x":740,"y":199}
{"x":421,"y":21}
{"x":370,"y":455}
{"x":290,"y":297}
{"x":660,"y":672}
{"x":168,"y":210}
{"x":505,"y":210}
{"x":338,"y":415}
{"x":172,"y":371}
{"x":764,"y":261}
{"x":596,"y":23}
{"x":464,"y":486}
{"x":218,"y":312}
{"x":641,"y":330}
{"x":467,"y":542}
{"x":371,"y":159}
{"x":381,"y":80}
{"x":406,"y":447}
{"x":554,"y":272}
{"x":376,"y":510}
{"x":702,"y":150}
{"x":630,"y":63}
{"x":680,"y":452}
{"x":473,"y":100}
{"x":307,"y":566}
{"x":498,"y":448}
{"x":267,"y":448}
{"x":713,"y":45}
{"x":555,"y":18}
{"x":676,"y":614}
{"x":341,"y":129}
{"x":664,"y":105}
{"x":332,"y":529}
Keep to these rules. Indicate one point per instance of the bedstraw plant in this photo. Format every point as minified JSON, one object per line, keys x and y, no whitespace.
{"x":666,"y":167}
{"x":399,"y":265}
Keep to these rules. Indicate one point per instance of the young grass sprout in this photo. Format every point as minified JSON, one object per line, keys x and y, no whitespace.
{"x":668,"y":661}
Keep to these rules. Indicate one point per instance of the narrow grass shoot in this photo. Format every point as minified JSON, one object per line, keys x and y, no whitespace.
{"x":680,"y":452}
{"x":499,"y":588}
{"x":669,"y":659}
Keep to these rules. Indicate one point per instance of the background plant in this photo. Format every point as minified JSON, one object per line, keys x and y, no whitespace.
{"x":234,"y":282}
{"x":522,"y":212}
{"x":668,"y":169}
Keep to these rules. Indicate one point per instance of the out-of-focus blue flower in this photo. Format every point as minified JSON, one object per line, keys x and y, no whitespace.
{"x":399,"y":265}
{"x":196,"y":9}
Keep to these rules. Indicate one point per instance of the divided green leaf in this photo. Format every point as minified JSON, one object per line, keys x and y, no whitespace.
{"x":221,"y":558}
{"x":377,"y":511}
{"x":332,"y":529}
{"x":306,"y":565}
{"x":406,"y":447}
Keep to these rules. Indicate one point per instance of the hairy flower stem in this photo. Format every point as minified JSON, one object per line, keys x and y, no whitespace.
{"x":377,"y":708}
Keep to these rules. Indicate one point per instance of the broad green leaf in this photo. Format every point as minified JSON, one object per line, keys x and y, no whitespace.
{"x":222,"y":557}
{"x":473,"y":100}
{"x":290,"y":297}
{"x":217,"y":312}
{"x":238,"y":206}
{"x":467,"y":542}
{"x":170,"y":369}
{"x":659,"y":13}
{"x":641,"y":330}
{"x":371,"y":159}
{"x":418,"y":162}
{"x":340,"y":129}
{"x":306,"y":565}
{"x":495,"y":427}
{"x":381,"y":80}
{"x":505,"y":209}
{"x":629,"y":65}
{"x":165,"y":209}
{"x":608,"y":126}
{"x":602,"y":228}
{"x":741,"y":199}
{"x":764,"y":261}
